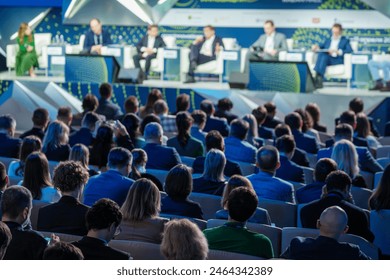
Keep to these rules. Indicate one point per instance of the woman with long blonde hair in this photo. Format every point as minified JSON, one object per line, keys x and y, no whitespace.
{"x":26,"y":58}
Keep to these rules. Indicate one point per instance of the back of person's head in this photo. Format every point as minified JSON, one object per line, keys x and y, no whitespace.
{"x":234,"y":182}
{"x":225,"y":104}
{"x":260,"y":114}
{"x":183,"y":123}
{"x":282,"y":129}
{"x":40,"y":117}
{"x":270,"y":107}
{"x":3,"y":176}
{"x":90,"y":103}
{"x":183,"y":240}
{"x":239,"y":129}
{"x":80,"y":153}
{"x":307,"y":120}
{"x":119,"y":157}
{"x":344,"y":153}
{"x":104,"y":134}
{"x":333,"y":222}
{"x":253,"y":128}
{"x":348,"y":117}
{"x":153,"y":96}
{"x":103,"y":143}
{"x":147,"y":120}
{"x":343,"y":131}
{"x":381,"y":194}
{"x":208,"y":107}
{"x":5,"y":239}
{"x":153,"y":132}
{"x":131,"y":105}
{"x":285,"y":144}
{"x":7,"y":124}
{"x":89,"y":120}
{"x":56,"y":135}
{"x":242,"y":203}
{"x":105,"y":90}
{"x":363,"y":127}
{"x":142,"y":201}
{"x":30,"y":144}
{"x":178,"y":184}
{"x":199,"y":118}
{"x":70,"y":176}
{"x":64,"y":114}
{"x":132,"y":123}
{"x":140,"y":157}
{"x":323,"y":168}
{"x":294,"y":121}
{"x":160,"y":107}
{"x":268,"y":158}
{"x":356,"y":105}
{"x":214,"y":140}
{"x":214,"y":166}
{"x":182,"y":102}
{"x":338,"y":181}
{"x":314,"y":110}
{"x":36,"y":174}
{"x":16,"y":201}
{"x":62,"y":251}
{"x":103,"y":214}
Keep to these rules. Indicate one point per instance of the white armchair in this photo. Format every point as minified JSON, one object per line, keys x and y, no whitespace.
{"x":76,"y":49}
{"x":157,"y":64}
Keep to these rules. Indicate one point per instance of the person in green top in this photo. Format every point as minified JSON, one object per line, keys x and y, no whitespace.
{"x":26,"y":58}
{"x":233,"y":236}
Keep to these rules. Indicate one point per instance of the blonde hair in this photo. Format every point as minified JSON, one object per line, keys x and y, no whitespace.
{"x":57,"y":134}
{"x":80,"y":153}
{"x":214,"y":166}
{"x":21,"y":33}
{"x":183,"y":240}
{"x":234,"y":182}
{"x":345,"y":155}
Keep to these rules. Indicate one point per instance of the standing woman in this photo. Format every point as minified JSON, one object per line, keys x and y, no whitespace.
{"x":26,"y":58}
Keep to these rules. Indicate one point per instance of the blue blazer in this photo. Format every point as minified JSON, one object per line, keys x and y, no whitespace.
{"x":305,"y":142}
{"x":309,"y":192}
{"x":108,"y":109}
{"x":344,"y":45}
{"x":9,"y":147}
{"x":214,"y":123}
{"x":290,"y":171}
{"x":82,"y":136}
{"x":161,"y":157}
{"x":90,"y":39}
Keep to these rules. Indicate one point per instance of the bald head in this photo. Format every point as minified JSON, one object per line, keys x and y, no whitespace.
{"x":333,"y":222}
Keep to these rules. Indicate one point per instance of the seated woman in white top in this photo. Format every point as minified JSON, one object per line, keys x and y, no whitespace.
{"x":30,"y":144}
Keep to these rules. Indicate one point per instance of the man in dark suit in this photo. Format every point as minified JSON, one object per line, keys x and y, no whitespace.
{"x":260,"y":113}
{"x":106,"y":107}
{"x":212,"y":122}
{"x":5,"y":239}
{"x":40,"y":121}
{"x":225,"y":105}
{"x":337,"y":193}
{"x":103,"y":220}
{"x":271,"y":121}
{"x":332,"y":223}
{"x":96,"y":38}
{"x":65,"y":115}
{"x":9,"y":146}
{"x":204,"y":49}
{"x":84,"y":134}
{"x":357,"y":106}
{"x":147,"y":48}
{"x":335,"y":47}
{"x":68,"y":214}
{"x":159,"y":157}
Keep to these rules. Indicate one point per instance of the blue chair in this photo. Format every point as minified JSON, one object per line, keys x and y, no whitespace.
{"x":380,"y":227}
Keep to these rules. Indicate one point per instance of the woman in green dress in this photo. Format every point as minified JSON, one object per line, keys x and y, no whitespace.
{"x":26,"y":58}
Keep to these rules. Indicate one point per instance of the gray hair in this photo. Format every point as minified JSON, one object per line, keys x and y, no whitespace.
{"x":153,"y":131}
{"x":214,"y":165}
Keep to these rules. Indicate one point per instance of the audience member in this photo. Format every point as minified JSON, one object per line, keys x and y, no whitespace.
{"x":178,"y":186}
{"x":62,"y":251}
{"x":260,"y":114}
{"x":183,"y":240}
{"x":349,"y":117}
{"x":147,"y":120}
{"x":307,"y":124}
{"x":271,"y":121}
{"x":30,"y":144}
{"x":363,"y":130}
{"x":260,"y":216}
{"x":85,"y":134}
{"x":68,"y":214}
{"x":89,"y":104}
{"x":182,"y":103}
{"x":224,"y":107}
{"x":80,"y":153}
{"x":131,"y":106}
{"x":314,"y":110}
{"x":37,"y":178}
{"x":132,"y":123}
{"x":119,"y":166}
{"x":313,"y":191}
{"x":103,"y":220}
{"x":168,"y":122}
{"x":140,"y":213}
{"x":159,"y":157}
{"x":236,"y":148}
{"x":212,"y":122}
{"x":184,"y":143}
{"x":198,"y":125}
{"x":336,"y":192}
{"x":106,"y":107}
{"x":332,"y":223}
{"x":233,"y":236}
{"x":265,"y":184}
{"x":153,"y":96}
{"x":55,"y":144}
{"x":212,"y":181}
{"x":65,"y":115}
{"x":357,"y":106}
{"x":40,"y":121}
{"x":9,"y":146}
{"x":252,"y":136}
{"x":5,"y":239}
{"x":3,"y":182}
{"x":380,"y":199}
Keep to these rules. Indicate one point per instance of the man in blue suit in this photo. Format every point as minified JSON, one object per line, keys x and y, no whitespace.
{"x":213,"y":123}
{"x":336,"y":47}
{"x":9,"y":146}
{"x":84,"y":134}
{"x":159,"y":157}
{"x":96,"y":37}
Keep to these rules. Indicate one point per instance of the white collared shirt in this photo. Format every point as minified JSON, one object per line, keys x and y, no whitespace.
{"x":334,"y":44}
{"x":270,"y":42}
{"x":151,"y":41}
{"x":207,"y":47}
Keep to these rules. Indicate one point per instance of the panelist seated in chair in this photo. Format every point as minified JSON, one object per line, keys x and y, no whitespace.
{"x":331,"y":52}
{"x":268,"y":46}
{"x":204,"y":49}
{"x":96,"y":38}
{"x":374,"y":67}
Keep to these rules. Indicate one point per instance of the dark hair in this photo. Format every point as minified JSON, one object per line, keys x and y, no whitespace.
{"x":153,"y":96}
{"x":89,"y":120}
{"x":152,"y":26}
{"x":210,"y":27}
{"x":338,"y":181}
{"x":64,"y":112}
{"x":69,"y":176}
{"x":183,"y":123}
{"x":363,"y":127}
{"x":105,"y":90}
{"x":270,"y":107}
{"x":323,"y":168}
{"x":314,"y":111}
{"x":178,"y":184}
{"x":207,"y":106}
{"x":214,"y":140}
{"x":131,"y":104}
{"x":40,"y":117}
{"x":242,"y":203}
{"x":132,"y":123}
{"x":270,"y":22}
{"x":239,"y":128}
{"x":199,"y":117}
{"x":338,"y":25}
{"x":98,"y":20}
{"x":148,"y":119}
{"x":119,"y":157}
{"x":343,"y":131}
{"x":3,"y":175}
{"x":90,"y":103}
{"x":5,"y":239}
{"x":139,"y":156}
{"x":102,"y":214}
{"x":282,"y":129}
{"x":182,"y":102}
{"x":36,"y":174}
{"x":260,"y":114}
{"x":293,"y":120}
{"x":380,"y":199}
{"x":348,"y":117}
{"x":356,"y":105}
{"x":307,"y":120}
{"x":62,"y":251}
{"x":267,"y":158}
{"x":14,"y":200}
{"x":285,"y":144}
{"x":225,"y":104}
{"x":160,"y":107}
{"x":103,"y":143}
{"x":7,"y":122}
{"x":29,"y":145}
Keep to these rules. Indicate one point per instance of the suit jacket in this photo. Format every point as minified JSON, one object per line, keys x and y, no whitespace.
{"x":280,"y":43}
{"x":194,"y":147}
{"x":65,"y":216}
{"x":60,"y":153}
{"x":9,"y":147}
{"x":300,"y":158}
{"x":97,"y":249}
{"x":34,"y":131}
{"x":366,"y":161}
{"x":305,"y":142}
{"x":90,"y":39}
{"x":217,"y":40}
{"x":108,"y":109}
{"x":290,"y":171}
{"x":320,"y":127}
{"x":201,"y":185}
{"x":186,"y":208}
{"x":265,"y":132}
{"x":357,"y":219}
{"x":239,"y":150}
{"x":198,"y":134}
{"x":271,"y":122}
{"x":344,"y":45}
{"x":322,"y":248}
{"x":161,"y":157}
{"x":214,"y":123}
{"x":231,"y":167}
{"x":82,"y":136}
{"x":309,"y":192}
{"x":357,"y":141}
{"x":225,"y":114}
{"x":158,"y":43}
